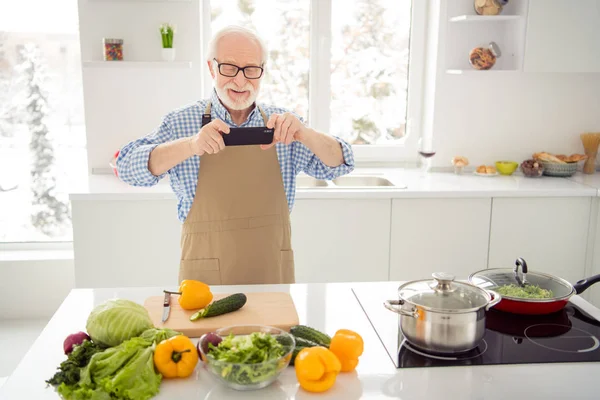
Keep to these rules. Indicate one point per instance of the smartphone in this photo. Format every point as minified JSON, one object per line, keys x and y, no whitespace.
{"x":248,"y":136}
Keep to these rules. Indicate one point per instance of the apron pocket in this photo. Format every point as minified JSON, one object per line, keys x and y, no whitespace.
{"x":288,"y":274}
{"x":206,"y":270}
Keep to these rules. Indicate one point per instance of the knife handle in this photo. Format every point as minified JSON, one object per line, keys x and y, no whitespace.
{"x":167,"y":299}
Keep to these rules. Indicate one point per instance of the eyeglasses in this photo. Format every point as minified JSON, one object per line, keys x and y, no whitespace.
{"x":230,"y":70}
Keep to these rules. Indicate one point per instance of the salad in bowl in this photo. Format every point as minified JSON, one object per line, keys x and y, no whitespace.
{"x":246,"y":357}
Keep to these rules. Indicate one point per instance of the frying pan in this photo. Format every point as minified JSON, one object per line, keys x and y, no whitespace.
{"x":561,"y":289}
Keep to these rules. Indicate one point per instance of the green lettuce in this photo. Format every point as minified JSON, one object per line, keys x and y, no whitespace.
{"x":247,"y":359}
{"x":117,"y":320}
{"x":122,"y":372}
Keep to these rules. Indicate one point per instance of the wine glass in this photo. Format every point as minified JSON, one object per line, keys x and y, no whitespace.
{"x":426,"y":153}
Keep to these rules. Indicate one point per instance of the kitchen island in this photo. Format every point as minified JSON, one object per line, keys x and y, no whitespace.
{"x":326,"y":307}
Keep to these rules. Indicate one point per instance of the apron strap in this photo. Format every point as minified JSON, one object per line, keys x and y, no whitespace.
{"x":264,"y":116}
{"x":206,"y":118}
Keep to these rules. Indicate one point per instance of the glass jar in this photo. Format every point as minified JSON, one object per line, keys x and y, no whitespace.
{"x":489,"y":7}
{"x":113,"y":49}
{"x":484,"y":58}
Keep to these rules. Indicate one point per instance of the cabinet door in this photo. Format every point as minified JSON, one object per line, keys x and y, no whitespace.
{"x":341,"y":240}
{"x":438,"y":235}
{"x":563,"y":36}
{"x":549,"y":233}
{"x":126,"y":243}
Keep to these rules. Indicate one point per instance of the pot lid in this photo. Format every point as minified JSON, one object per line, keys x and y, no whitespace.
{"x":443,"y":293}
{"x":494,"y":278}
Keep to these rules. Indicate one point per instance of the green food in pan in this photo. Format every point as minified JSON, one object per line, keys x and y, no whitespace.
{"x":526,"y":292}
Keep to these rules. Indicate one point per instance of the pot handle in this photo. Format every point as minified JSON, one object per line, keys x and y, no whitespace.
{"x":391,"y":305}
{"x":496,"y":298}
{"x":583,"y":284}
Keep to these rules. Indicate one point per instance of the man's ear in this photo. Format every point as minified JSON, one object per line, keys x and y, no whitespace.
{"x":210,"y":68}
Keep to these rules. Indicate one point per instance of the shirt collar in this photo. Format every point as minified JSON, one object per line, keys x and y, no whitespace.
{"x":222,"y":112}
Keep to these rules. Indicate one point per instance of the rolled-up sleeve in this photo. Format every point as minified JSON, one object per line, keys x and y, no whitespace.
{"x":132,"y":162}
{"x":307,"y":162}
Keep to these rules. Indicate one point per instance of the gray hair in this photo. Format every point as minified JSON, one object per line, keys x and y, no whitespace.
{"x":249,"y":33}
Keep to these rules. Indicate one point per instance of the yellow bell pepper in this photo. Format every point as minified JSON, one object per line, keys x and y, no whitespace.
{"x":347,"y":345}
{"x":316,"y":368}
{"x":193,"y":294}
{"x":176,"y":357}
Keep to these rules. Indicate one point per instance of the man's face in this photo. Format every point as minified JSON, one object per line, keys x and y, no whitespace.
{"x":237,"y":93}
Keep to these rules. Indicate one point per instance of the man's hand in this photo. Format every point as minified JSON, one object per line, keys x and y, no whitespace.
{"x":209,"y":140}
{"x":288,"y":129}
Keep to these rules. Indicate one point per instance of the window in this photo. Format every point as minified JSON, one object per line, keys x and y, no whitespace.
{"x":342,"y":64}
{"x":287,"y":72}
{"x":42,"y":132}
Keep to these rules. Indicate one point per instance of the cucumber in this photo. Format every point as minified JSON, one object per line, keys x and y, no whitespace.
{"x":301,"y":342}
{"x":311,"y":334}
{"x":223,"y":306}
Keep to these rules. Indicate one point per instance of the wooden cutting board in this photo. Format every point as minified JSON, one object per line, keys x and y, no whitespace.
{"x":262,"y":308}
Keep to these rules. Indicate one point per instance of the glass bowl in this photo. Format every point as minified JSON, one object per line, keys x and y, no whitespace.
{"x":248,"y":376}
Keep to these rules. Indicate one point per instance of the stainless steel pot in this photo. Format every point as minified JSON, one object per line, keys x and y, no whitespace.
{"x":441,"y":315}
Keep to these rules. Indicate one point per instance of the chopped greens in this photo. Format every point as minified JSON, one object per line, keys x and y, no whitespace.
{"x":247,"y":359}
{"x":68,"y":371}
{"x":526,"y":292}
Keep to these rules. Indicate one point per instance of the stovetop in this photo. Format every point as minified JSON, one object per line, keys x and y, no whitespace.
{"x":570,"y":335}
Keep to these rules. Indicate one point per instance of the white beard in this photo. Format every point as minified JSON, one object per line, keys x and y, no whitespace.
{"x":236,"y":104}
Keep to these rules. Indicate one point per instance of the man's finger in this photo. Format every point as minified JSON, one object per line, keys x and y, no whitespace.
{"x":272,"y":120}
{"x":278,"y":134}
{"x":221,"y":126}
{"x":218,"y":139}
{"x":286,"y":134}
{"x":267,"y":146}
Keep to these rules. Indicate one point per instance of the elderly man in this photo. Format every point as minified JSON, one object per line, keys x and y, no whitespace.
{"x":234,"y":201}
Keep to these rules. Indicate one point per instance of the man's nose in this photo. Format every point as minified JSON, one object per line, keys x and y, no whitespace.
{"x":240,"y":79}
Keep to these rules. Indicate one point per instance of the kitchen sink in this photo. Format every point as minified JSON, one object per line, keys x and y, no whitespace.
{"x":310,"y":182}
{"x":361,"y":181}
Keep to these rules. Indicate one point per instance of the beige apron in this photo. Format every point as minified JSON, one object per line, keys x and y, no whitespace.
{"x":238,"y":229}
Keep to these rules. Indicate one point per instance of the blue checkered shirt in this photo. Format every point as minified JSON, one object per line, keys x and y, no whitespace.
{"x":132,"y":162}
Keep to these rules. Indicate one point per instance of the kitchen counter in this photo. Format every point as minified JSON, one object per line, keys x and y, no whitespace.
{"x":408,"y":183}
{"x":327,"y":307}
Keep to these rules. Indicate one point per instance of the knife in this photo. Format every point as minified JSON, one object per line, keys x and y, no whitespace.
{"x":166,"y":306}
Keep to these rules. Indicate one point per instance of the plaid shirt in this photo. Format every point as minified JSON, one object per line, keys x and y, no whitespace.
{"x":132,"y":162}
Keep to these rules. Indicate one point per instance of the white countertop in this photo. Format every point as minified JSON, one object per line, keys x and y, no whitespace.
{"x":409,"y":183}
{"x":327,"y":307}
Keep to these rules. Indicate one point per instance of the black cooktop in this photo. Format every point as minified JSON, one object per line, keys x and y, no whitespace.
{"x":570,"y":335}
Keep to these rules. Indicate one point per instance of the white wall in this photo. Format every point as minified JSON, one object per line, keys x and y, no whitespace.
{"x":492,"y":115}
{"x":34,"y":289}
{"x":512,"y":115}
{"x":127,"y":101}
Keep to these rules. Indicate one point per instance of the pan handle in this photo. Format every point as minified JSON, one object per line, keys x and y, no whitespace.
{"x":496,"y":298}
{"x":521,"y":263}
{"x":583,"y":284}
{"x":392,"y":306}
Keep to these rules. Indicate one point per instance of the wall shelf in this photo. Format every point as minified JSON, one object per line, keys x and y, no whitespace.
{"x":484,"y":18}
{"x":480,"y":72}
{"x":141,"y":1}
{"x":137,"y":64}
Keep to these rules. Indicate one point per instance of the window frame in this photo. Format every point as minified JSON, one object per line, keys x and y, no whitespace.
{"x":403,"y":150}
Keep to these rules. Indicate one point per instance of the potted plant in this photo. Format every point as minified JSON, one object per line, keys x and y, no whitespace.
{"x":166,"y":33}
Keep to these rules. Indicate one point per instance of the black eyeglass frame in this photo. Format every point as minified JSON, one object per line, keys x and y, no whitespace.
{"x":243,"y":69}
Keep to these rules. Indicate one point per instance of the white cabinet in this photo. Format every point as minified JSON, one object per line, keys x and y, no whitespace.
{"x":549,"y":233}
{"x":563,"y":36}
{"x":341,"y":240}
{"x":126,"y":243}
{"x":438,"y":235}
